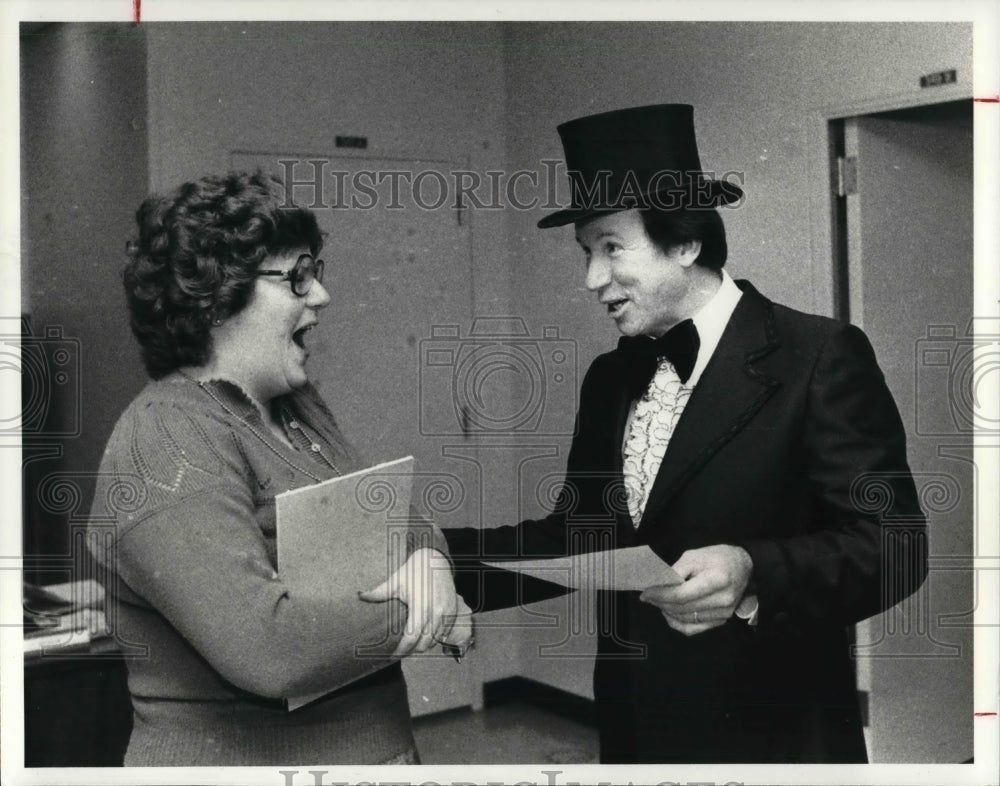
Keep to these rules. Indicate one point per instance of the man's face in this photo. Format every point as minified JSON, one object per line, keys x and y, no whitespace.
{"x":643,"y":288}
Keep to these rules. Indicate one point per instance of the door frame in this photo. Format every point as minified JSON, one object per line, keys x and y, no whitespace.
{"x":822,"y":202}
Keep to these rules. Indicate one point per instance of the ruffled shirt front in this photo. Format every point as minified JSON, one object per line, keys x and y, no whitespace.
{"x":655,"y":415}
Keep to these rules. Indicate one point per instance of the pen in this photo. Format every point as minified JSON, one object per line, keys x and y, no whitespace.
{"x":458,"y":651}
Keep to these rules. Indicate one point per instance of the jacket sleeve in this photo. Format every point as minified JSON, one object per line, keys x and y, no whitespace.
{"x":194,"y":551}
{"x":554,"y":535}
{"x":865,"y":548}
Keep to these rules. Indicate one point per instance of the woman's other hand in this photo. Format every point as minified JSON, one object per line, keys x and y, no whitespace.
{"x":424,"y":583}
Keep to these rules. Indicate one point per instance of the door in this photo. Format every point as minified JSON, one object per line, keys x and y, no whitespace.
{"x":909,"y":280}
{"x":399,"y":271}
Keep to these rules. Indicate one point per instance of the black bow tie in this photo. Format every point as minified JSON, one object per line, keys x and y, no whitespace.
{"x":679,"y":345}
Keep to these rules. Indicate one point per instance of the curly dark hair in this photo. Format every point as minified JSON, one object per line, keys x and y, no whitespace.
{"x":195,"y":260}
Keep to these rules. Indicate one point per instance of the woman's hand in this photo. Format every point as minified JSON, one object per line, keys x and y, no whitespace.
{"x":424,"y":583}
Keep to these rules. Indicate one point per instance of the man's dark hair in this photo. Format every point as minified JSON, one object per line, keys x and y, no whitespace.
{"x":195,"y":259}
{"x":670,"y":228}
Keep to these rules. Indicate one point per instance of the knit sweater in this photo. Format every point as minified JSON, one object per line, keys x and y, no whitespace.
{"x":184,"y":510}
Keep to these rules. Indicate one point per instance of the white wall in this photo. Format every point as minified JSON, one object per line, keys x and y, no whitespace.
{"x":417,"y":90}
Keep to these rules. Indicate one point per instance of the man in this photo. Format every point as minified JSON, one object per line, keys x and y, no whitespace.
{"x":747,"y":438}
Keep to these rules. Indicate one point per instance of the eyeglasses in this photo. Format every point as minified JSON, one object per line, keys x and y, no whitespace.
{"x":301,"y":276}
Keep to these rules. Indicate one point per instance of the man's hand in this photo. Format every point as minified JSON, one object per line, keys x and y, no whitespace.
{"x":424,"y":583}
{"x":461,"y":638}
{"x":715,"y":578}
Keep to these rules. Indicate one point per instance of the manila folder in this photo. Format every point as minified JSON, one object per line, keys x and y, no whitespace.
{"x":344,"y":535}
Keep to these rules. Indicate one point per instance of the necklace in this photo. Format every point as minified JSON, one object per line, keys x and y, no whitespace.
{"x":314,"y":446}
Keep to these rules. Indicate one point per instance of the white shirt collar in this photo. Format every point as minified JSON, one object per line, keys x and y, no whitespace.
{"x":711,"y":321}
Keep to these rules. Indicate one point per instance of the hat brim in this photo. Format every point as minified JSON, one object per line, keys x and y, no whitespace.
{"x":718,"y":193}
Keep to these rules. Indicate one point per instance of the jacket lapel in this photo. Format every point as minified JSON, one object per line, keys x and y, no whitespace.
{"x":727,"y":396}
{"x":619,"y":403}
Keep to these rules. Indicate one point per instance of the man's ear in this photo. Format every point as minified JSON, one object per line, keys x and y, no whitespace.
{"x":687,"y":252}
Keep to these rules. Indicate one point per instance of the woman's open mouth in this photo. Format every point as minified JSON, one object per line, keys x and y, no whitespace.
{"x":299,"y":336}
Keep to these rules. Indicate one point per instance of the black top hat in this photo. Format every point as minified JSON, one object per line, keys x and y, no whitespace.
{"x":646,"y":156}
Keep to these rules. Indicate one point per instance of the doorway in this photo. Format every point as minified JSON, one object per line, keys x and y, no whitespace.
{"x":903,"y":252}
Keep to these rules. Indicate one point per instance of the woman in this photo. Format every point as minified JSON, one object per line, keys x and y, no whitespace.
{"x":223,"y":286}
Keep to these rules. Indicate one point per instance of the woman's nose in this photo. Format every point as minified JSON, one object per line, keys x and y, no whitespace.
{"x":598,"y":274}
{"x":317,"y":296}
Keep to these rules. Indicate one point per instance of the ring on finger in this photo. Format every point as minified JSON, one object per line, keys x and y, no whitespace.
{"x":696,"y":618}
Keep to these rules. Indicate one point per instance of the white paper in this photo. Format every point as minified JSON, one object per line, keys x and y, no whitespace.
{"x":634,"y":568}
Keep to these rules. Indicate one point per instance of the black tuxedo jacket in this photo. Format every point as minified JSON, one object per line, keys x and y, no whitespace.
{"x":790,"y":446}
